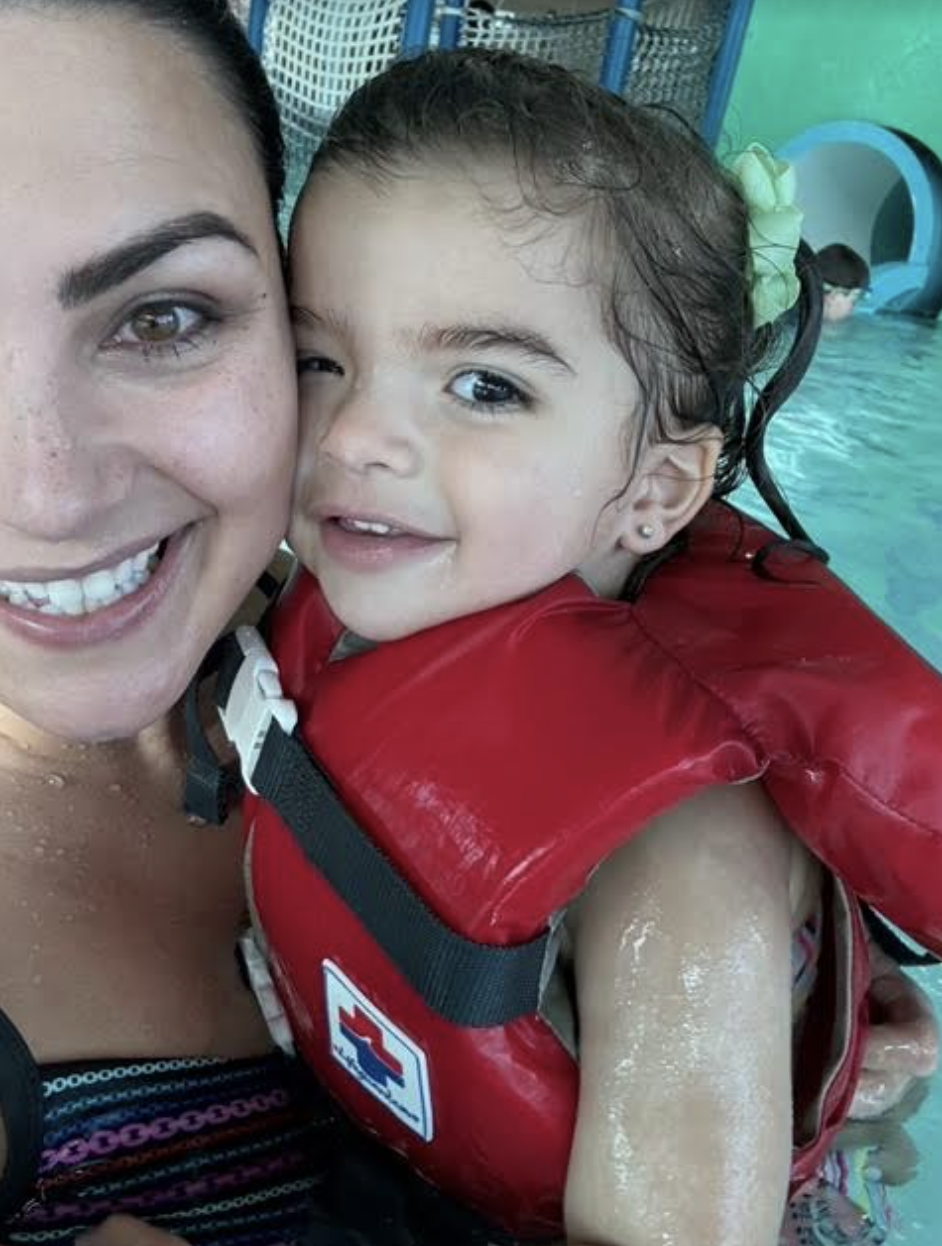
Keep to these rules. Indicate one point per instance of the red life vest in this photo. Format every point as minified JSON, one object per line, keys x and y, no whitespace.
{"x":496,"y":759}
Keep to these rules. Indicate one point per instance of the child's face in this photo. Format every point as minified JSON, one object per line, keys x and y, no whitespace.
{"x":466,"y":424}
{"x":838,"y":303}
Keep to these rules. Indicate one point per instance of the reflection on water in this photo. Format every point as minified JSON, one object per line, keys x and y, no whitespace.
{"x":859,"y":453}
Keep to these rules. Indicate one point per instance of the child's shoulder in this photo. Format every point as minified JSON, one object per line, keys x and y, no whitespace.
{"x":715,"y":846}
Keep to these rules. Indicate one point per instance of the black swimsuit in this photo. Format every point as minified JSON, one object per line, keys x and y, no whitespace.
{"x":220,"y":1152}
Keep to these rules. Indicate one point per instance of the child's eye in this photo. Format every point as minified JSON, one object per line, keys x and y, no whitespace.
{"x":318,"y":364}
{"x":161,"y":328}
{"x":483,"y":391}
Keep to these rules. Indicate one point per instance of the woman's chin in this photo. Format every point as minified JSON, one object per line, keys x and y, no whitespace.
{"x":100,"y":711}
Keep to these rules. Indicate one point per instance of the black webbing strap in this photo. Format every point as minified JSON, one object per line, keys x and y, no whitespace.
{"x":886,"y":938}
{"x":469,"y":984}
{"x":21,"y":1109}
{"x":231,"y":656}
{"x":211,"y":786}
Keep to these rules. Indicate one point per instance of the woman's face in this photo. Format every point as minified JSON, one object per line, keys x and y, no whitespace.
{"x":147,"y":392}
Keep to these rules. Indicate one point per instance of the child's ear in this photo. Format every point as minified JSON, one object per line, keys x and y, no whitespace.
{"x":674,"y":480}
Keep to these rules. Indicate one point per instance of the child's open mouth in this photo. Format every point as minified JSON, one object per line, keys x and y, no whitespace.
{"x":369,"y":527}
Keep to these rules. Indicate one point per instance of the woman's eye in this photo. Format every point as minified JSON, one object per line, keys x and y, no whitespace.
{"x":318,"y":364}
{"x":487,"y":390}
{"x":160,"y":328}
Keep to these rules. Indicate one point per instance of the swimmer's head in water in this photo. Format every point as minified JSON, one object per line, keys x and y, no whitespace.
{"x":846,"y":276}
{"x":147,"y":399}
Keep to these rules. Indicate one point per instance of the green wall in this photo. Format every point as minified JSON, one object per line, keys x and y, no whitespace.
{"x":809,"y":61}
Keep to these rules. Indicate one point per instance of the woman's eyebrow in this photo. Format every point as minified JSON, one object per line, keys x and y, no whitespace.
{"x":112,"y":268}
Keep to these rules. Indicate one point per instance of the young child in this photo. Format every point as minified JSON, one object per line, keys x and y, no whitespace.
{"x":554,"y":944}
{"x":845,"y":275}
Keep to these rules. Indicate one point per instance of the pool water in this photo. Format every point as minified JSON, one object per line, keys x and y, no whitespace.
{"x":858,"y":452}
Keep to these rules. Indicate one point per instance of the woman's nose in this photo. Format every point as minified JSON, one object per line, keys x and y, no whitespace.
{"x":56,"y":470}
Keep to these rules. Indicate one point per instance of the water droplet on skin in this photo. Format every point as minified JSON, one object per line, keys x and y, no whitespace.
{"x":40,"y":849}
{"x":115,"y":787}
{"x":195,"y":820}
{"x":55,"y":780}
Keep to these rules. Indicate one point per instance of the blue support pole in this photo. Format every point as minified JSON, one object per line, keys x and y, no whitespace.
{"x":724,"y":69}
{"x":416,"y":27}
{"x":449,"y":25}
{"x":256,"y":30}
{"x":619,"y":45}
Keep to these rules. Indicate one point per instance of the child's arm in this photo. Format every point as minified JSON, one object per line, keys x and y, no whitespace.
{"x":683,"y":970}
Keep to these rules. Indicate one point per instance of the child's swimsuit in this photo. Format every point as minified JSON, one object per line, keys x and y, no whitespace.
{"x":221,"y":1152}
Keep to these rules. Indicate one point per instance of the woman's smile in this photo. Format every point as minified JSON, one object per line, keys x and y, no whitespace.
{"x":100,"y":605}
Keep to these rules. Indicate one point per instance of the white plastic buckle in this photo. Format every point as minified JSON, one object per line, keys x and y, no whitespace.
{"x":255,"y":702}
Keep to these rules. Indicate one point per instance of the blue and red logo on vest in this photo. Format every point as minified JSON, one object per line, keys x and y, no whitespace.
{"x":376,"y":1053}
{"x":373,"y":1056}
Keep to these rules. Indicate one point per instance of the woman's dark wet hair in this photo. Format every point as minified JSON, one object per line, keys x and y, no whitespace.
{"x":667,"y":229}
{"x":212,"y":32}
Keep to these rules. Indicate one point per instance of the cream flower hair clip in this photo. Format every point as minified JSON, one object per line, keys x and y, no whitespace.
{"x":768,"y":188}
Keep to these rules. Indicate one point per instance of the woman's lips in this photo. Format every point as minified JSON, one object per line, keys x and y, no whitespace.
{"x":107,"y":623}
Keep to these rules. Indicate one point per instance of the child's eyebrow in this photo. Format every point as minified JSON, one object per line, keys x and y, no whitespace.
{"x":306,"y":318}
{"x":498,"y":336}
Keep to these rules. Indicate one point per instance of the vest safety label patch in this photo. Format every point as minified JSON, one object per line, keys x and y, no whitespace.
{"x":374,"y":1051}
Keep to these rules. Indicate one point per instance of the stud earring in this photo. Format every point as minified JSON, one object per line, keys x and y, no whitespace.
{"x":646,"y":530}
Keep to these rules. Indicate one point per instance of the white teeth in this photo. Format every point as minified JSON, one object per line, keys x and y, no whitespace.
{"x":93,"y":592}
{"x":66,"y":596}
{"x":367,"y":525}
{"x":100,"y":585}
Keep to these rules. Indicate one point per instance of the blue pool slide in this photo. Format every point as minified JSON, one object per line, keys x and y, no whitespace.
{"x":880,"y":192}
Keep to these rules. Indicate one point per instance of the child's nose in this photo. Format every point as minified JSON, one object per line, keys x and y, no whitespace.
{"x":371,"y":432}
